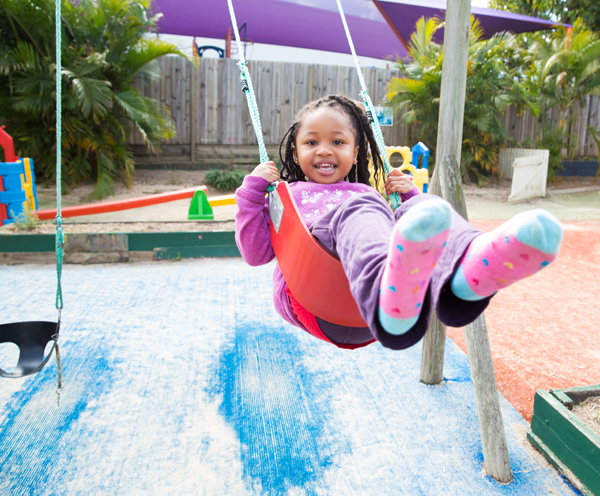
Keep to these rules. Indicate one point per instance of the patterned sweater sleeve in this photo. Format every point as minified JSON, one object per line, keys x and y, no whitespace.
{"x":252,"y":221}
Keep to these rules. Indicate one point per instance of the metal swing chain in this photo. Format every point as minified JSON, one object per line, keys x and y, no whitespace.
{"x":58,"y":219}
{"x":370,"y":110}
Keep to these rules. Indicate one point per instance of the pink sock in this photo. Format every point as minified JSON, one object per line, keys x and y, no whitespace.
{"x":515,"y":250}
{"x":417,"y":244}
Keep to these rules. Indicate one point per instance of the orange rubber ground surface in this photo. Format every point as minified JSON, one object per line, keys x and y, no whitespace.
{"x":545,"y":330}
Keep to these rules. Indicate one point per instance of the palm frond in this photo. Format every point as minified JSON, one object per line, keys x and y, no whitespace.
{"x":94,"y":96}
{"x":145,"y":52}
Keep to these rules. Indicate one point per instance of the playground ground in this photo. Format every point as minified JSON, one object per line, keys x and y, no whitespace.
{"x":181,"y":374}
{"x":531,"y":324}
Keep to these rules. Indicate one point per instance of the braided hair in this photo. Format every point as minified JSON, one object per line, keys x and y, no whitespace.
{"x":359,"y":173}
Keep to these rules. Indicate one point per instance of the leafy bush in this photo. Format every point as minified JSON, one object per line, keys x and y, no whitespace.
{"x":563,"y":69}
{"x":105,"y":50}
{"x":494,"y":79}
{"x":225,"y":180}
{"x":542,"y":72}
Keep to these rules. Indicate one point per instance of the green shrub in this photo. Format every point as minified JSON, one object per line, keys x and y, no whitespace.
{"x":494,"y":79}
{"x":225,"y":180}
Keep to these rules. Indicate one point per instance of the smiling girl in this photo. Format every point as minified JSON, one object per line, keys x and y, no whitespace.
{"x":399,"y":264}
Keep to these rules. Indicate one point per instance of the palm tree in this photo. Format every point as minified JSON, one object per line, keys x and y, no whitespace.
{"x":105,"y":50}
{"x":415,"y":96}
{"x":564,"y":69}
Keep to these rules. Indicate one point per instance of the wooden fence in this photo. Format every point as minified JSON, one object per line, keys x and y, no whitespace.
{"x":523,"y":127}
{"x":211,"y":114}
{"x":209,"y":108}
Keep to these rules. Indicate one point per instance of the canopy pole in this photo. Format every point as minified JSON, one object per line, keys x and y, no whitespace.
{"x":447,"y":184}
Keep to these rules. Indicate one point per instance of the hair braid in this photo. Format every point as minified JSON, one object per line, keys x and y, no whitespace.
{"x":365,"y":140}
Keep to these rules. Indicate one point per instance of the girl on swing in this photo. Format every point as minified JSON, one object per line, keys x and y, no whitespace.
{"x":399,"y":264}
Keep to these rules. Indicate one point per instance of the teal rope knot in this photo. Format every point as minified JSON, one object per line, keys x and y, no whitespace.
{"x":60,"y":243}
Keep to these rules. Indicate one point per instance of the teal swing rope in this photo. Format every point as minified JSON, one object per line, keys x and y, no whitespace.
{"x":246,"y":83}
{"x":248,"y":89}
{"x":59,"y":228}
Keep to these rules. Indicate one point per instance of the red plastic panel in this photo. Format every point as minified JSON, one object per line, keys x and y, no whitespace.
{"x":117,"y":205}
{"x":315,"y":277}
{"x":6,"y":142}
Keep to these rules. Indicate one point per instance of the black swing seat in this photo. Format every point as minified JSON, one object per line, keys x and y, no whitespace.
{"x":32,"y":339}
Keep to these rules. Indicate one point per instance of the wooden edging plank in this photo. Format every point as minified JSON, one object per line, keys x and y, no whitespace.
{"x":23,"y":243}
{"x":24,"y":248}
{"x":571,"y":441}
{"x":554,"y":460}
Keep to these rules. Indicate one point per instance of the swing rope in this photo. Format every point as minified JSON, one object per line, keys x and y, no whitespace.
{"x":248,"y":89}
{"x":58,"y":220}
{"x":370,"y":110}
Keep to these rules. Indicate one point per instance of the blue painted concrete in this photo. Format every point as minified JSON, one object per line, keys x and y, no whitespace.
{"x":179,"y":378}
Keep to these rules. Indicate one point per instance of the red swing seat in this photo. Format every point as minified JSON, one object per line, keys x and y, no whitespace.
{"x":314,"y":276}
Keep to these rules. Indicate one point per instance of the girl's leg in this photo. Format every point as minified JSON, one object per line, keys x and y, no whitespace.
{"x":515,"y":250}
{"x":359,"y":233}
{"x":479,"y":264}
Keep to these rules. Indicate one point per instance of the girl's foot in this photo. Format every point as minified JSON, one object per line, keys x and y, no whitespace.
{"x":417,"y":243}
{"x":517,"y":249}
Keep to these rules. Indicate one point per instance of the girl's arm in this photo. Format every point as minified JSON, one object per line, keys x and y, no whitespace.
{"x":252,"y":221}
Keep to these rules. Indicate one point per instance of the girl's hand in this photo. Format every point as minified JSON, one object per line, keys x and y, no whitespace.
{"x":398,"y":182}
{"x":267,"y":171}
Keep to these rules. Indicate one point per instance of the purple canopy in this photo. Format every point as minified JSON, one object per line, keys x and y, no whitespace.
{"x":278,"y":22}
{"x":402,"y":15}
{"x":318,"y":25}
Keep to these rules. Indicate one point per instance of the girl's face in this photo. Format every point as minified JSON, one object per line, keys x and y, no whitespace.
{"x":326,"y":145}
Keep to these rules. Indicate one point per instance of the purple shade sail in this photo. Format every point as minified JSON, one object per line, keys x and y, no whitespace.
{"x":379,"y":28}
{"x":278,"y":22}
{"x":404,"y":14}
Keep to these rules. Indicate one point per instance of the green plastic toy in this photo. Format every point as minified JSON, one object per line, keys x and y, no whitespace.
{"x":200,"y":209}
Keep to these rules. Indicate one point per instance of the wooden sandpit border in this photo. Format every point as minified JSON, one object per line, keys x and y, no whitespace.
{"x":118,"y":247}
{"x":564,"y":439}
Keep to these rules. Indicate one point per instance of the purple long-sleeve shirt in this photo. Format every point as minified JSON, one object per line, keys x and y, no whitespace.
{"x":252,"y":223}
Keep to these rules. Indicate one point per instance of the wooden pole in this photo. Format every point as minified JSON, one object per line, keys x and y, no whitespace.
{"x":434,"y":342}
{"x":448,"y":184}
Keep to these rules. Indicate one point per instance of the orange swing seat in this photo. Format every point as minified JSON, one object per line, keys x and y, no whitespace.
{"x":314,"y":276}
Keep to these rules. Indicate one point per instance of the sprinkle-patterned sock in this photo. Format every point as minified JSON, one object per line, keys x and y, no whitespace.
{"x":515,"y":250}
{"x":417,"y":243}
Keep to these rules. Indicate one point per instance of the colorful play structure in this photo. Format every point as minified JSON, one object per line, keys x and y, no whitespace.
{"x":410,"y":164}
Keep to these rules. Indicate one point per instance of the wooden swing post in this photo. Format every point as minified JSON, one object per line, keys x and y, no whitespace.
{"x":447,"y":184}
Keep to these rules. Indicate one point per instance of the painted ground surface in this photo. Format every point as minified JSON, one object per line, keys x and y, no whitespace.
{"x":179,"y":378}
{"x":545,"y":330}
